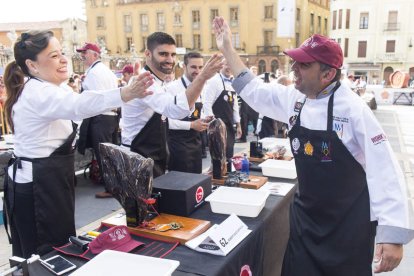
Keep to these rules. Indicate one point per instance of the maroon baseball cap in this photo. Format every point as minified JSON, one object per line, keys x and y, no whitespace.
{"x":89,"y":46}
{"x":318,"y":48}
{"x":128,"y":69}
{"x":115,"y":238}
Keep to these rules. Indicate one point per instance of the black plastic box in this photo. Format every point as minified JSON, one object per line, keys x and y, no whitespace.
{"x":181,"y":193}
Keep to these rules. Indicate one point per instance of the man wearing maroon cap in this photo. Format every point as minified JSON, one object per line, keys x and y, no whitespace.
{"x":351,"y":191}
{"x":104,"y":127}
{"x":127,"y":73}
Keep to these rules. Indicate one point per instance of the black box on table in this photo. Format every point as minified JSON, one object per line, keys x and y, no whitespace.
{"x":181,"y":193}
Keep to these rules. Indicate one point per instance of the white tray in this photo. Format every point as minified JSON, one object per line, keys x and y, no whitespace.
{"x":115,"y":263}
{"x":279,"y":168}
{"x":242,"y":202}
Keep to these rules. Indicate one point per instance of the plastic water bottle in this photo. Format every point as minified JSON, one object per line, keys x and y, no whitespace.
{"x":245,"y":165}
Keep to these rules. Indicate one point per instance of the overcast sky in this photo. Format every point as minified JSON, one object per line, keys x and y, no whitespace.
{"x":39,"y":10}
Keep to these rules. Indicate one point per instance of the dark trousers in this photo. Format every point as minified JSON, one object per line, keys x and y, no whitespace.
{"x":247,"y":114}
{"x":23,"y":224}
{"x":102,"y":129}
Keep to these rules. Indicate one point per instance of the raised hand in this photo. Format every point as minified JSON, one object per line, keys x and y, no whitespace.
{"x":223,"y":34}
{"x":213,"y":65}
{"x":138,"y":87}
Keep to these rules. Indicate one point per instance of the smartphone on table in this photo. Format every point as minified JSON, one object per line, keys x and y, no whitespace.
{"x":58,"y":265}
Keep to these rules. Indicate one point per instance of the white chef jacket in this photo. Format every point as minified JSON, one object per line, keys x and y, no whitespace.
{"x":213,"y":89}
{"x":137,"y":112}
{"x":42,"y":118}
{"x":176,"y":87}
{"x":100,"y":77}
{"x":361,"y":134}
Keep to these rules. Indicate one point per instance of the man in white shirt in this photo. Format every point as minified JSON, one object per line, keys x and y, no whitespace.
{"x":144,"y":121}
{"x":104,"y":127}
{"x":184,"y":140}
{"x":351,"y":191}
{"x":221,"y":101}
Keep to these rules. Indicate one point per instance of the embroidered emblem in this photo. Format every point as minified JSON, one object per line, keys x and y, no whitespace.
{"x":379,"y":139}
{"x":295,"y":145}
{"x":326,"y":152}
{"x":292,"y":120}
{"x":324,"y":92}
{"x":298,"y":106}
{"x":339,"y":128}
{"x":308,"y":148}
{"x":195,"y":113}
{"x":225,"y":97}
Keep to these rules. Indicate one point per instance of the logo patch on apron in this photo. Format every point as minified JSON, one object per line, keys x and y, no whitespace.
{"x":295,"y":145}
{"x":298,"y":106}
{"x":292,"y":120}
{"x":308,"y":148}
{"x":326,"y":152}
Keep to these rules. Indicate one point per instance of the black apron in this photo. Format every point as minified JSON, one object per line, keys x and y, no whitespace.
{"x":185,"y":145}
{"x":151,"y":142}
{"x":223,"y":109}
{"x":330,"y":228}
{"x":53,"y":199}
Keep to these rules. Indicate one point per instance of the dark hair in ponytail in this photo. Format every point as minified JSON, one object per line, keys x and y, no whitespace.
{"x":27,"y":46}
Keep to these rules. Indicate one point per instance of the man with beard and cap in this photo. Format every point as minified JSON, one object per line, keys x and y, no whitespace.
{"x":351,"y":191}
{"x":101,"y":128}
{"x":184,"y":140}
{"x":144,"y":121}
{"x":221,"y":102}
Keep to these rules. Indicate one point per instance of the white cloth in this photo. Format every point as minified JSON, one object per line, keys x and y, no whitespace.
{"x":42,"y":118}
{"x":136,"y":113}
{"x":176,"y":87}
{"x":212,"y":91}
{"x":359,"y":131}
{"x":100,"y":77}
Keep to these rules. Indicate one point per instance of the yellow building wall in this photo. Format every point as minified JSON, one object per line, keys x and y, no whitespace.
{"x":251,"y":22}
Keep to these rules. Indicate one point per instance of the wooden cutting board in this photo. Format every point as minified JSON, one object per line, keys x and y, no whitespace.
{"x":192,"y":227}
{"x":255,"y":182}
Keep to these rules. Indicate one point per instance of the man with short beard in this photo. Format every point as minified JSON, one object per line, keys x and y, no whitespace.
{"x":144,"y":121}
{"x":184,"y":140}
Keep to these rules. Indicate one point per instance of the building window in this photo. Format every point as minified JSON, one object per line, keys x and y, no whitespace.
{"x":129,"y":44}
{"x":179,"y":40}
{"x":262,"y":67}
{"x":268,"y":12}
{"x":297,"y":15}
{"x":213,"y":42}
{"x":346,"y":45}
{"x":235,"y":37}
{"x":312,"y":23}
{"x":297,"y":40}
{"x":392,"y":24}
{"x":319,"y":25}
{"x":177,"y":19}
{"x":334,"y":20}
{"x":268,"y":38}
{"x":127,"y":23}
{"x":196,"y":19}
{"x":325,"y":26}
{"x":339,"y":41}
{"x":100,"y":22}
{"x":143,"y":18}
{"x":340,"y":19}
{"x":362,"y":49}
{"x":390,"y":47}
{"x":160,"y":21}
{"x":234,"y":17}
{"x":213,"y":14}
{"x":363,"y":20}
{"x":348,"y":18}
{"x":274,"y":65}
{"x":144,"y":43}
{"x":196,"y":41}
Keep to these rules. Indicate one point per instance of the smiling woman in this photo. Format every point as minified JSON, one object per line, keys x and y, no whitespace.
{"x":39,"y":187}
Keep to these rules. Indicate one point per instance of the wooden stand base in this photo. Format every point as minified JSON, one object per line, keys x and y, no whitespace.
{"x":191,"y":227}
{"x":255,"y":182}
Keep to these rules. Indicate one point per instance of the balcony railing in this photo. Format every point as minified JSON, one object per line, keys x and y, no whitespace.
{"x":268,"y":50}
{"x":390,"y":57}
{"x":392,"y":26}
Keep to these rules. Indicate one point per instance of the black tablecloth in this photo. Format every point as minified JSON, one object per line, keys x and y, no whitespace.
{"x":262,"y":250}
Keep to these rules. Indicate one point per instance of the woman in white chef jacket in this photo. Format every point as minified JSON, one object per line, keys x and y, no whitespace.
{"x":39,"y":189}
